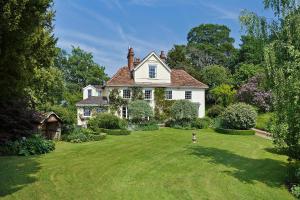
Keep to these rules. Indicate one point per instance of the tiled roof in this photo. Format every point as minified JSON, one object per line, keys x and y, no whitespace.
{"x":98,"y":86}
{"x":179,"y":78}
{"x":122,"y":77}
{"x":93,"y":101}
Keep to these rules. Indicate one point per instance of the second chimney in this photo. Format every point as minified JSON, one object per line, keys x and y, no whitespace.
{"x":130,"y":58}
{"x":163,"y":56}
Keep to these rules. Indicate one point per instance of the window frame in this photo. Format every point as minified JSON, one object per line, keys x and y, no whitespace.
{"x":168,"y":94}
{"x":150,"y":94}
{"x":90,"y":93}
{"x":128,"y":94}
{"x":125,"y":108}
{"x":150,"y":73}
{"x":188,"y":96}
{"x":86,"y":110}
{"x":99,"y":93}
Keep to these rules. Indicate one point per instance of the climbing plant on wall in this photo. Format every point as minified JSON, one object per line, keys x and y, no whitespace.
{"x":116,"y":101}
{"x":162,"y":106}
{"x":137,"y":93}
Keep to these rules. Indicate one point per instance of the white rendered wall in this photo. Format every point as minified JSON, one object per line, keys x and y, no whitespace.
{"x":85,"y":91}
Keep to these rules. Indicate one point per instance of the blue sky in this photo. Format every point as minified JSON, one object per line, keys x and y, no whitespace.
{"x":107,"y":27}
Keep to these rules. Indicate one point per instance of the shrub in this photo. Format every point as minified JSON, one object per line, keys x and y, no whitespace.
{"x":139,"y":111}
{"x":101,"y":136}
{"x":184,"y":111}
{"x":235,"y":132}
{"x":107,"y":121}
{"x":33,"y":145}
{"x":223,"y":94}
{"x":215,"y":111}
{"x":296,"y":191}
{"x":215,"y":75}
{"x":201,"y":123}
{"x":239,"y":116}
{"x":77,"y":138}
{"x":253,"y":94}
{"x":149,"y":126}
{"x":116,"y":131}
{"x":80,"y":135}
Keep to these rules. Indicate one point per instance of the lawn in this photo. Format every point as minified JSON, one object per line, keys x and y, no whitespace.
{"x":160,"y":164}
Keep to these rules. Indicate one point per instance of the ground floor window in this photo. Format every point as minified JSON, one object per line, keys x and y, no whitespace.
{"x":124,"y":112}
{"x":148,"y":94}
{"x":86,"y":112}
{"x":188,"y":94}
{"x":168,"y":94}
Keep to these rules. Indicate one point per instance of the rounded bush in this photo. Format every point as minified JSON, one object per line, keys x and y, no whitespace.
{"x":184,"y":110}
{"x":107,"y":121}
{"x":201,"y":123}
{"x":239,"y":116}
{"x":215,"y":111}
{"x":139,"y":111}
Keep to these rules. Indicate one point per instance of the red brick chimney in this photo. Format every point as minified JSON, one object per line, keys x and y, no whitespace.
{"x":163,"y":56}
{"x":130,"y":58}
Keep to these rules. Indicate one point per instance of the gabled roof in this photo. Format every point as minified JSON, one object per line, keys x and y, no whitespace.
{"x":93,"y":101}
{"x":157,"y":57}
{"x":179,"y":78}
{"x":40,"y":117}
{"x":98,"y":87}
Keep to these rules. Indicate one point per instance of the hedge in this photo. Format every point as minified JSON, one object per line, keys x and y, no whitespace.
{"x":235,"y":132}
{"x":116,"y":131}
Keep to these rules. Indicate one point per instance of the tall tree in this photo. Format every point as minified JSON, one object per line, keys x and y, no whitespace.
{"x":210,"y":44}
{"x":80,"y":69}
{"x":26,"y":42}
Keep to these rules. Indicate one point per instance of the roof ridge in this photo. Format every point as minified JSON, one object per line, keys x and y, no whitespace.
{"x":115,"y":75}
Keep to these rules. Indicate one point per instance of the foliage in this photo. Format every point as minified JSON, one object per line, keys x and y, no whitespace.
{"x":150,"y":125}
{"x":116,"y":101}
{"x":296,"y":191}
{"x":215,"y":111}
{"x":15,"y":119}
{"x":33,"y":145}
{"x":117,"y":131}
{"x":223,"y":94}
{"x":79,"y":69}
{"x":264,"y":121}
{"x":139,"y":111}
{"x":184,"y":110}
{"x":107,"y":121}
{"x":46,"y":86}
{"x":239,"y":116}
{"x":177,"y":57}
{"x":26,"y":43}
{"x":201,"y":123}
{"x":251,"y":50}
{"x":137,"y":93}
{"x":235,"y":132}
{"x":80,"y":135}
{"x":253,"y":94}
{"x":162,"y":105}
{"x":245,"y":72}
{"x":215,"y":75}
{"x":210,"y":44}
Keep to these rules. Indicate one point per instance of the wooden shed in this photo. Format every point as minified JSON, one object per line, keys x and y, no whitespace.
{"x":48,"y":124}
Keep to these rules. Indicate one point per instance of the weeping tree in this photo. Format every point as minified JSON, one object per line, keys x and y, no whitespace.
{"x":282,"y":60}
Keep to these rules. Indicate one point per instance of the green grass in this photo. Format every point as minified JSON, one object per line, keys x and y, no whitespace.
{"x":262,"y":121}
{"x":160,"y":164}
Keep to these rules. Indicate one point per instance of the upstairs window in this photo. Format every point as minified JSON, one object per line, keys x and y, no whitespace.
{"x":152,"y":71}
{"x":168,"y":94}
{"x":148,"y":94}
{"x":188,"y":94}
{"x":126,"y":94}
{"x":99,"y":93}
{"x":86,"y":112}
{"x":89,"y":93}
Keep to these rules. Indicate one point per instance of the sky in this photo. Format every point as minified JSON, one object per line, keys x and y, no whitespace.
{"x":106,"y":28}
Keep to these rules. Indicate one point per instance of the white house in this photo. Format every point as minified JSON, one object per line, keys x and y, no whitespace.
{"x":150,"y":73}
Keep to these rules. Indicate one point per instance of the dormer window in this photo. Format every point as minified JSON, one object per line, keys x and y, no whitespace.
{"x":89,"y":93}
{"x":152,"y":71}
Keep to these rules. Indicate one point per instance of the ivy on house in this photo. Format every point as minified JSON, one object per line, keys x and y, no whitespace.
{"x":116,"y":101}
{"x":137,"y":93}
{"x":162,"y":106}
